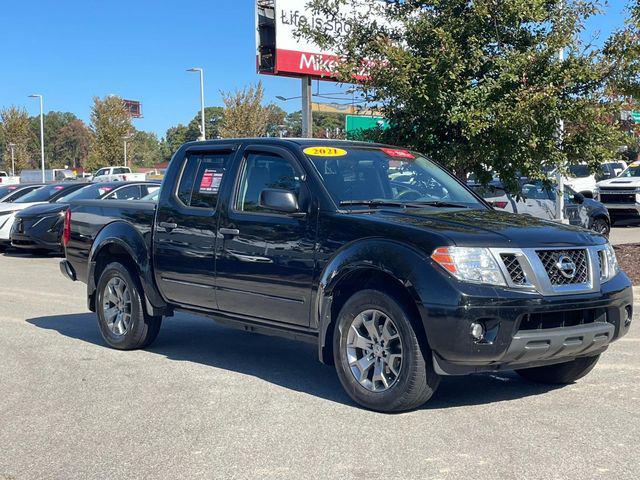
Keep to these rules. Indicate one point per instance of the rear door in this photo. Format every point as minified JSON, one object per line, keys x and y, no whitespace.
{"x":185,"y":228}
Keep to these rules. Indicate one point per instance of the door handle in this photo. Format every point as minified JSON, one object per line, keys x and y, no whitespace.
{"x":232,"y":232}
{"x":168,"y":225}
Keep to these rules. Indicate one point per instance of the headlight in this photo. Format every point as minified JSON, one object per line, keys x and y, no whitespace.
{"x":469,"y":264}
{"x":609,"y":267}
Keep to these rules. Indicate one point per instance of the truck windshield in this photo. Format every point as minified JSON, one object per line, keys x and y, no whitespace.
{"x":387,"y":176}
{"x":632,"y":171}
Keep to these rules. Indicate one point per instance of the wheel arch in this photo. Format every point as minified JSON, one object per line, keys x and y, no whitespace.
{"x":391,"y":267}
{"x":121,"y":242}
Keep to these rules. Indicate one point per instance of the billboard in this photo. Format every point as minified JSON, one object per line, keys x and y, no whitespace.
{"x":282,"y":52}
{"x":134,"y":108}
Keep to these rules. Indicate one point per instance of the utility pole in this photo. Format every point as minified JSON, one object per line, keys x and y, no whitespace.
{"x":307,"y":115}
{"x":41,"y":132}
{"x":12,"y":146}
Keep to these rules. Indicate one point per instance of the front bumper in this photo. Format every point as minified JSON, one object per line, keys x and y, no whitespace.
{"x":565,"y":327}
{"x":40,"y":233}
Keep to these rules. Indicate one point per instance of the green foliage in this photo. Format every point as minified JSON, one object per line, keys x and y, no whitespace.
{"x":479,"y":86}
{"x":146,"y":150}
{"x":110,"y":123}
{"x":325,"y":124}
{"x":70,"y":146}
{"x":212,"y":118}
{"x":15,"y":129}
{"x":244,"y":115}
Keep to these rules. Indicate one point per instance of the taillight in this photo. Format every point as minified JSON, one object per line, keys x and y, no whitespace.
{"x":66,"y":229}
{"x":124,"y":178}
{"x":499,"y":204}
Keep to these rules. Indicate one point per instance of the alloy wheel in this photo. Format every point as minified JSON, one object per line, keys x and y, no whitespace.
{"x":374,"y":350}
{"x":116,"y":306}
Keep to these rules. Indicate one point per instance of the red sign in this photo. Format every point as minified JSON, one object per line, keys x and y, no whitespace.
{"x":399,"y":153}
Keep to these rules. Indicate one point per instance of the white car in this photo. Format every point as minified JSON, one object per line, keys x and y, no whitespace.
{"x":5,"y":179}
{"x":117,"y":174}
{"x":579,"y":178}
{"x":621,"y":195}
{"x":48,"y":193}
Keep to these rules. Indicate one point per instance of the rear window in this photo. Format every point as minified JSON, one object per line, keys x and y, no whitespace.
{"x":91,"y":192}
{"x":579,"y":171}
{"x":201,"y":179}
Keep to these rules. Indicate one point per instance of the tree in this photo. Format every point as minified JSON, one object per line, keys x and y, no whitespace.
{"x":325,"y":124}
{"x":110,"y":123}
{"x":479,"y":86}
{"x":212,"y":118}
{"x":54,"y":122}
{"x":147,"y":150}
{"x":71,"y":145}
{"x":244,"y":115}
{"x":15,"y":129}
{"x":275,"y":120}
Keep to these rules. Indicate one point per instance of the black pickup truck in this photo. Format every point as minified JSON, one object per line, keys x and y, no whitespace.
{"x":392,"y":267}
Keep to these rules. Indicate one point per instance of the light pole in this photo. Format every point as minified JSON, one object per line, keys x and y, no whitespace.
{"x":125,"y":139}
{"x":12,"y":146}
{"x":36,"y":95}
{"x":559,"y":180}
{"x":203,"y":135}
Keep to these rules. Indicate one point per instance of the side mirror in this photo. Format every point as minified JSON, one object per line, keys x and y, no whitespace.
{"x":279,"y":200}
{"x":578,"y":198}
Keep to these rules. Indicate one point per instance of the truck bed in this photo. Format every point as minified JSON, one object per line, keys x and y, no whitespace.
{"x":89,"y":217}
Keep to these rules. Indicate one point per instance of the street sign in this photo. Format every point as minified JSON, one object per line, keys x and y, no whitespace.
{"x":635,"y":116}
{"x":361,"y":122}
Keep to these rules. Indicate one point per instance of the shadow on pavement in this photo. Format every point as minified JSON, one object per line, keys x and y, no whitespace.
{"x":16,"y":253}
{"x":287,"y":363}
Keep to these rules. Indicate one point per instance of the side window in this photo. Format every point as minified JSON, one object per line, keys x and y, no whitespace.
{"x":149,"y":189}
{"x":132,"y":192}
{"x":201,"y":179}
{"x":100,"y":172}
{"x":262,"y":171}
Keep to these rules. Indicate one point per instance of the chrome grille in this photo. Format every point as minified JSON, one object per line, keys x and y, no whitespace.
{"x":514,"y":269}
{"x":551,"y":259}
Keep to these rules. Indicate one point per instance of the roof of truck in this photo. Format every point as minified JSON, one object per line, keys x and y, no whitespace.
{"x":297,"y":141}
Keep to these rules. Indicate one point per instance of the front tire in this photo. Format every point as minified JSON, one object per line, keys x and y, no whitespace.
{"x":122,"y":321}
{"x":562,"y":373}
{"x":378,"y":356}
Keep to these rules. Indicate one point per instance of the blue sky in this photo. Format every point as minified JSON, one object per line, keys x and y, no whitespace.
{"x":72,"y":50}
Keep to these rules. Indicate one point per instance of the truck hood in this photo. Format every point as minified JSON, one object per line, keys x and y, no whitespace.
{"x":620,"y":182}
{"x":484,"y":228}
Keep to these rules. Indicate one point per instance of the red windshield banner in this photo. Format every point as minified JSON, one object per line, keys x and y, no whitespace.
{"x":399,"y":153}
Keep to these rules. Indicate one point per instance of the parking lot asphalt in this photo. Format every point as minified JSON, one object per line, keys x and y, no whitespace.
{"x":625,"y":234}
{"x":211,"y":402}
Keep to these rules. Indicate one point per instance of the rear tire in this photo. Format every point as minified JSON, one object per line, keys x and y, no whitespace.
{"x":561,"y":373}
{"x":378,"y":357}
{"x":122,"y":320}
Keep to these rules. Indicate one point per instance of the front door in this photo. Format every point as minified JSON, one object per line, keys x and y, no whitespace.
{"x":266,"y":258}
{"x":185,"y":236}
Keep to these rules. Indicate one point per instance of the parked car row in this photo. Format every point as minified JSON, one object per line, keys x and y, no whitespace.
{"x":32,"y":216}
{"x":539,"y":200}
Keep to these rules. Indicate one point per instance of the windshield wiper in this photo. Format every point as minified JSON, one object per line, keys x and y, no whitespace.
{"x":440,"y":204}
{"x":377,"y":203}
